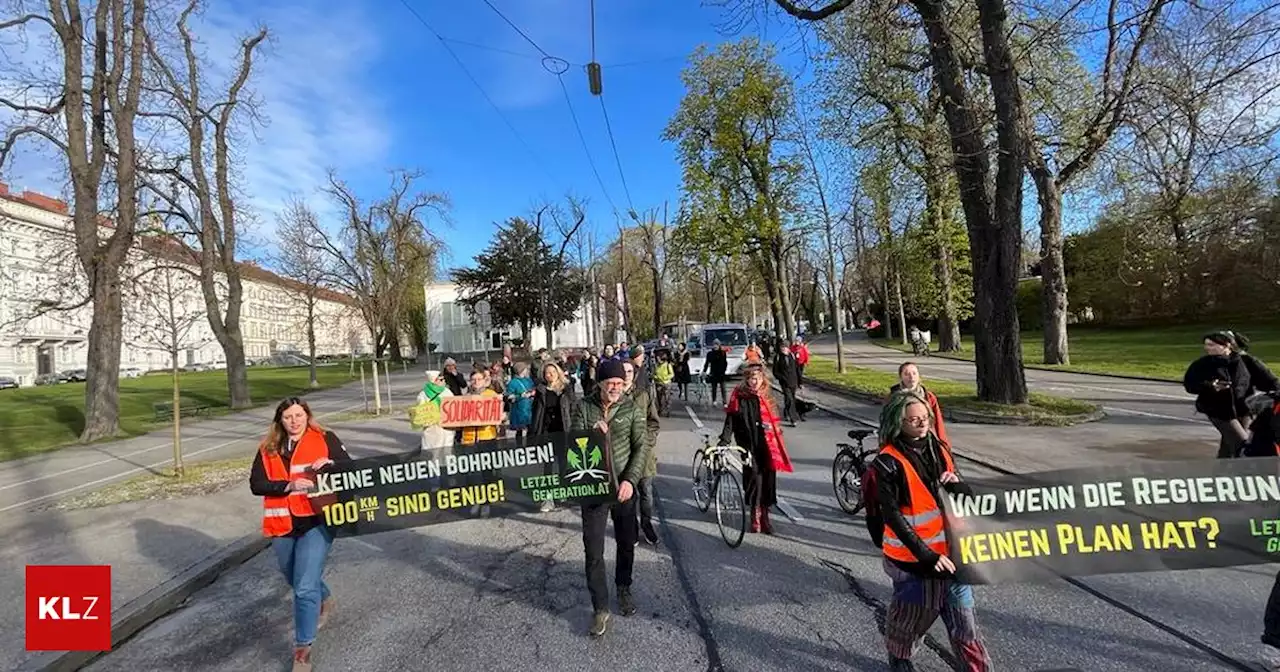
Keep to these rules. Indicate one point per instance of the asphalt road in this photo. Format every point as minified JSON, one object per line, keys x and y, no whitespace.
{"x":1151,"y":399}
{"x":510,"y":594}
{"x":41,"y":479}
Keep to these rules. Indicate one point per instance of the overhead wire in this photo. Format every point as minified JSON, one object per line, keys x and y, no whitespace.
{"x":558,"y":66}
{"x":445,"y":43}
{"x":608,"y":126}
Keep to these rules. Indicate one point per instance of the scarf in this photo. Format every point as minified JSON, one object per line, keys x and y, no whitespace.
{"x":433,"y":391}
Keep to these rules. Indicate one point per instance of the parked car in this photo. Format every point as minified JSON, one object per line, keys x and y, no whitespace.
{"x":7,"y":383}
{"x":131,"y":372}
{"x":51,"y":379}
{"x":76,"y":375}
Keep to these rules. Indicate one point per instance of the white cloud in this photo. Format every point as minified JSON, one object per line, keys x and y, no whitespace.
{"x":312,"y":78}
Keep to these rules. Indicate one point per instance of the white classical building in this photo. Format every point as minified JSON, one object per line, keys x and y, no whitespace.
{"x":163,"y":303}
{"x":449,"y":326}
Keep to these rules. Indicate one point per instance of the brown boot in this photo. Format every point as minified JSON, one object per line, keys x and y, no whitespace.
{"x":301,"y":659}
{"x":755,"y":520}
{"x":765,"y":525}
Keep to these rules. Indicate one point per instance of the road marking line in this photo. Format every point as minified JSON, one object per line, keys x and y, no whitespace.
{"x":694,"y":417}
{"x":789,"y":511}
{"x":365,"y":544}
{"x":119,"y":458}
{"x":1129,"y":411}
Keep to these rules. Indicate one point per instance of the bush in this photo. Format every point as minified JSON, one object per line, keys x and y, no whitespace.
{"x":1028,"y":302}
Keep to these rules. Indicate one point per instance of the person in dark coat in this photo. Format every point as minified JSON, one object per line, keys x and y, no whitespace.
{"x":717,"y":368}
{"x":683,"y":375}
{"x":553,"y":402}
{"x":751,"y":421}
{"x":787,"y":372}
{"x":1222,"y":380}
{"x":453,"y":377}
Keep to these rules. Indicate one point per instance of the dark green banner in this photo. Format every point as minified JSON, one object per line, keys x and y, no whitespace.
{"x":1148,"y":517}
{"x":488,"y":479}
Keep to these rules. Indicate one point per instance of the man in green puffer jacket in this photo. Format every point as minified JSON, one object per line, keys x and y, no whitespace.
{"x":611,"y":411}
{"x":640,"y":389}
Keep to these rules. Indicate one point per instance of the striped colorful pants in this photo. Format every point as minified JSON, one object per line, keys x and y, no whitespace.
{"x":918,"y":602}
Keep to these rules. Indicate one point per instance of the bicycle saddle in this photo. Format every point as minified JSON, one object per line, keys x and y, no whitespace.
{"x":860,"y":434}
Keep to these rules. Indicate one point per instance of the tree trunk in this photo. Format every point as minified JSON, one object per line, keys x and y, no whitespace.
{"x":785,"y":307}
{"x":1053,"y":274}
{"x":948,"y":323}
{"x":177,"y":411}
{"x":102,"y":370}
{"x":902,"y":310}
{"x":995,"y":231}
{"x":311,"y":339}
{"x":657,"y":300}
{"x":888,"y":318}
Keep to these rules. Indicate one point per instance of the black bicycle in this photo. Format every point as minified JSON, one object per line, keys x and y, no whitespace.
{"x":847,"y":468}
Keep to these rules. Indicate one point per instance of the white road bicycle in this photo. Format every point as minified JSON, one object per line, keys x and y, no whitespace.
{"x":717,"y":475}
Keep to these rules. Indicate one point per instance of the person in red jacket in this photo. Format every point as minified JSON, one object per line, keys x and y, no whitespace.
{"x":801,"y":351}
{"x":909,"y":381}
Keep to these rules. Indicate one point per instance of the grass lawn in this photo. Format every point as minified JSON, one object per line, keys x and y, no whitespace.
{"x":1153,"y":352}
{"x":198,"y":478}
{"x":36,"y":419}
{"x":1044,"y":409}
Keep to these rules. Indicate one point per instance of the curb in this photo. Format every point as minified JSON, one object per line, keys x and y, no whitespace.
{"x":970,"y":417}
{"x":154,"y":604}
{"x":1034,"y":367}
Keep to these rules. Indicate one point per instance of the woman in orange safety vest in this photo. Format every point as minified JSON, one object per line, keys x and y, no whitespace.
{"x":294,"y":449}
{"x":911,"y":471}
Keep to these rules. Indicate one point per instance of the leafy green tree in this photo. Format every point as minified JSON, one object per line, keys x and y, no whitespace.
{"x":523,"y":279}
{"x":739,"y":186}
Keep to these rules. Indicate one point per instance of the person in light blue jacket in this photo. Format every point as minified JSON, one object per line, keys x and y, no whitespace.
{"x":520,"y":393}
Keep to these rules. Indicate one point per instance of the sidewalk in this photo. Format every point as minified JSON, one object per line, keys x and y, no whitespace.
{"x":148,"y":543}
{"x":1115,"y":440}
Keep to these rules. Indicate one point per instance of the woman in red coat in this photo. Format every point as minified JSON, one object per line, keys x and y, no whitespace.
{"x":752,"y":422}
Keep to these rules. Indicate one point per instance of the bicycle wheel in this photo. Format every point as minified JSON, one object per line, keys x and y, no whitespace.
{"x":846,"y":478}
{"x":731,"y":508}
{"x":701,"y":481}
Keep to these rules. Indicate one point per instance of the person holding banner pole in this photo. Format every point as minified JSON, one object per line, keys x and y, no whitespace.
{"x":552,"y":410}
{"x":612,"y":412}
{"x":283,"y":473}
{"x":912,"y":470}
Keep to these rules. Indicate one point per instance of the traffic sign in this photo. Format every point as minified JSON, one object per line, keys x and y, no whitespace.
{"x":482,"y":308}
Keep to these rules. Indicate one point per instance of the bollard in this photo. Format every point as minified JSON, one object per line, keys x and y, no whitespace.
{"x":364,"y":391}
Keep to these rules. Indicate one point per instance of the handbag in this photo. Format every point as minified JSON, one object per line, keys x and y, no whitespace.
{"x":425,"y":413}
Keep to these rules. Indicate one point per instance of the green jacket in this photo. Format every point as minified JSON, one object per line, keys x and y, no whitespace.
{"x":644,"y":398}
{"x":628,"y":442}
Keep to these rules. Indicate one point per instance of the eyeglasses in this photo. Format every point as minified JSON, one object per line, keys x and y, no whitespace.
{"x":919,"y":420}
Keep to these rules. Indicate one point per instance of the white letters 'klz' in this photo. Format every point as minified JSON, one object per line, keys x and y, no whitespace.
{"x":48,"y":609}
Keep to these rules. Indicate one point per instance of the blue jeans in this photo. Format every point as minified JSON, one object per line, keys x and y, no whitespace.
{"x":301,"y":561}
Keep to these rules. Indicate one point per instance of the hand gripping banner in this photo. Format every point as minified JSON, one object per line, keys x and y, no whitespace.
{"x":488,"y":479}
{"x":1146,"y":517}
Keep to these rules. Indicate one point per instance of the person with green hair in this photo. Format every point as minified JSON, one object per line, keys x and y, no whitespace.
{"x":911,"y":472}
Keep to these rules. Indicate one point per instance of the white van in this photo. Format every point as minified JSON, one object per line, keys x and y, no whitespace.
{"x":733,"y":336}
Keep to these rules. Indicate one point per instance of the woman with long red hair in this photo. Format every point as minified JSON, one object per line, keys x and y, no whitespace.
{"x":752,"y":422}
{"x":295,"y":448}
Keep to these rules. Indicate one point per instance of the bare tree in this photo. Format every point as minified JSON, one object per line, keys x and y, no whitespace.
{"x":302,"y":260}
{"x":382,"y":251}
{"x":567,"y":226}
{"x":202,"y":201}
{"x":88,"y":117}
{"x":656,"y":248}
{"x":165,"y":309}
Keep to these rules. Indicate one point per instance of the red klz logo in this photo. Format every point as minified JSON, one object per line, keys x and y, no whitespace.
{"x":68,"y":607}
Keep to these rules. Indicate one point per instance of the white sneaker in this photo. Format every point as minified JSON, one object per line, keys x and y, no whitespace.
{"x":547,"y":506}
{"x":1269,"y":659}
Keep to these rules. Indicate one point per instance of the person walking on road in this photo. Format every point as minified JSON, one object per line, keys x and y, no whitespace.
{"x":1222,"y":380}
{"x":911,"y":471}
{"x":433,"y":393}
{"x":751,"y":421}
{"x":611,"y":411}
{"x":683,"y":375}
{"x":520,"y":393}
{"x":786,"y":370}
{"x":717,"y":366}
{"x":909,"y":382}
{"x":802,"y":356}
{"x":295,"y":448}
{"x":552,"y":411}
{"x":644,"y":401}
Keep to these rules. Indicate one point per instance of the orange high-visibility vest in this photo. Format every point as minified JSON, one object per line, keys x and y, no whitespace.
{"x":922,"y":511}
{"x":278,"y":511}
{"x":478,"y":433}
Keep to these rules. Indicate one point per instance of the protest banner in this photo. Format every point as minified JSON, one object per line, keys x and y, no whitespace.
{"x":1142,"y":518}
{"x":470,"y":410}
{"x":493,"y":478}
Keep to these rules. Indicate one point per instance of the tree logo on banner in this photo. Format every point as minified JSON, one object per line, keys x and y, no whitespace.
{"x":577,"y":458}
